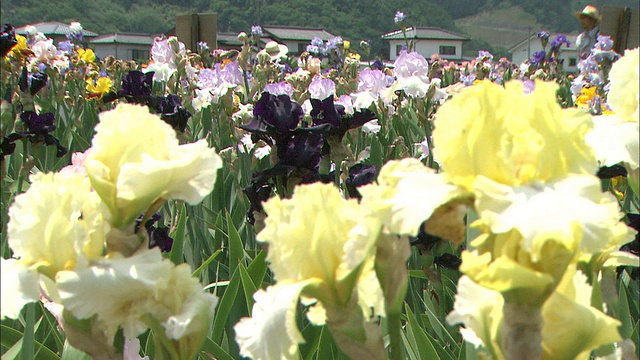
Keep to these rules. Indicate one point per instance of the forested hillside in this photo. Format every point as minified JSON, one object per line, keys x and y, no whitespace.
{"x":352,"y":19}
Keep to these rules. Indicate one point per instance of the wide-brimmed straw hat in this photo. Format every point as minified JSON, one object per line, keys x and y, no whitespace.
{"x":275,"y":50}
{"x":590,"y":11}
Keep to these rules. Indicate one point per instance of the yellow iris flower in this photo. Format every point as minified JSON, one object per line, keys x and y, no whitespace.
{"x":20,"y":50}
{"x":134,"y":164}
{"x":511,"y":137}
{"x":99,"y":87}
{"x":86,"y":55}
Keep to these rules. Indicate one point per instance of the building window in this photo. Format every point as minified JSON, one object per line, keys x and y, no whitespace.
{"x":572,"y":61}
{"x":302,"y":47}
{"x":399,"y":48}
{"x":447,"y":50}
{"x":139,"y":54}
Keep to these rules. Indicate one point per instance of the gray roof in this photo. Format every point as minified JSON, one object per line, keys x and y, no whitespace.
{"x":296,"y":33}
{"x":54,"y":28}
{"x":125,"y":38}
{"x":431,"y":33}
{"x":229,"y":39}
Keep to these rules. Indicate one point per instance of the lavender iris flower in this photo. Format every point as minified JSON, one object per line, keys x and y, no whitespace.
{"x":538,"y":57}
{"x":559,"y":40}
{"x":256,"y":30}
{"x":281,"y":88}
{"x":399,"y":17}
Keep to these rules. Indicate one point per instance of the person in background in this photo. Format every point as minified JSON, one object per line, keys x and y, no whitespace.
{"x":589,"y":21}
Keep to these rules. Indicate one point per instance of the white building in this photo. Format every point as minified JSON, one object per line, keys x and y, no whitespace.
{"x":295,"y":38}
{"x":526,"y":48}
{"x":427,"y":41}
{"x":124,"y":46}
{"x":55,"y":30}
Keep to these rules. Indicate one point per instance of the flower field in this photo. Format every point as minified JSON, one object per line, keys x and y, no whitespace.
{"x":228,"y":204}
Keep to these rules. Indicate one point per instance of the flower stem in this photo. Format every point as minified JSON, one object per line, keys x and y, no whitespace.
{"x":521,"y":332}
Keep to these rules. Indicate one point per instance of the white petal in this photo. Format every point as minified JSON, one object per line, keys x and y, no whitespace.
{"x":19,"y":287}
{"x":271,"y":331}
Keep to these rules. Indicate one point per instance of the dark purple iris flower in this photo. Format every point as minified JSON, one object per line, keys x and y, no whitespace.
{"x":608,"y":172}
{"x":7,"y":39}
{"x":302,"y":150}
{"x":38,"y":124}
{"x":448,"y":261}
{"x":633,"y":246}
{"x":276,"y":115}
{"x":137,"y":85}
{"x":257,"y":192}
{"x":39,"y":129}
{"x":172,"y":112}
{"x":32,"y":82}
{"x":159,"y":235}
{"x":326,"y":112}
{"x":377,"y":64}
{"x":359,"y":174}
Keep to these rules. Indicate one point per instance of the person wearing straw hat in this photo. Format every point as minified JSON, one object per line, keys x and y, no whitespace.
{"x":589,"y":19}
{"x":274,"y":50}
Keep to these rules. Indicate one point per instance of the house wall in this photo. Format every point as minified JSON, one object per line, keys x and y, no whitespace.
{"x":122,"y":51}
{"x":427,"y":48}
{"x":293,"y":45}
{"x":525,"y":51}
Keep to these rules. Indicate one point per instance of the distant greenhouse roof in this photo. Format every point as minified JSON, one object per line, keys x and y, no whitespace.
{"x":431,"y":33}
{"x":125,"y":38}
{"x":54,"y":28}
{"x":296,"y":33}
